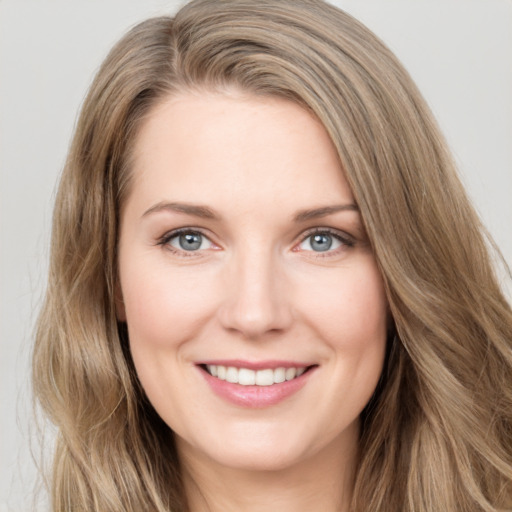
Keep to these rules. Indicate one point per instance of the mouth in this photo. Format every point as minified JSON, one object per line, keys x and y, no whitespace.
{"x":250,"y":377}
{"x":255,"y":385}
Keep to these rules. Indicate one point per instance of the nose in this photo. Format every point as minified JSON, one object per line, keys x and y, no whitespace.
{"x":255,"y":300}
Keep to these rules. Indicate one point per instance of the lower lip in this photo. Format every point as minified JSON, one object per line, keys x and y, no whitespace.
{"x":256,"y":396}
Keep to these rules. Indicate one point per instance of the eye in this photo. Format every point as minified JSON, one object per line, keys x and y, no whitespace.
{"x":324,"y":241}
{"x":189,"y":241}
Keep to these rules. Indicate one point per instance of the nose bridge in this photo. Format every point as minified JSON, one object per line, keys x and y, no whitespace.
{"x":255,"y":302}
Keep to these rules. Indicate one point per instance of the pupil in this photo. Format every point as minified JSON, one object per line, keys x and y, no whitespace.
{"x":190,"y":241}
{"x":321,"y":242}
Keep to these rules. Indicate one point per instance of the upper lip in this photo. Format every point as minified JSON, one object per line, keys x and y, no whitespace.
{"x":255,"y":365}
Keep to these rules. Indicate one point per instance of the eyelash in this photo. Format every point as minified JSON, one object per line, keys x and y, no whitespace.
{"x":346,"y":241}
{"x":164,"y":241}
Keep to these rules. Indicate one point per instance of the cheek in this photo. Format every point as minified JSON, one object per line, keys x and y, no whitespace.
{"x":165,"y":310}
{"x":351,"y":309}
{"x":163,"y":306}
{"x":355,"y":327}
{"x":352,"y":321}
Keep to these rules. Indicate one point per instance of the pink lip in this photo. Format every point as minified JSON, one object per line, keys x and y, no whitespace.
{"x":256,"y":397}
{"x":255,"y":365}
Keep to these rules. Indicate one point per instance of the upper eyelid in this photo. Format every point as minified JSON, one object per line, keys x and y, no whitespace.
{"x":178,"y":231}
{"x":343,"y":235}
{"x":338,"y":233}
{"x":346,"y":241}
{"x":165,"y":239}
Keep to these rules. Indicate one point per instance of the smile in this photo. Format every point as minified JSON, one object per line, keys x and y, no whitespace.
{"x":248,"y":377}
{"x":255,"y":384}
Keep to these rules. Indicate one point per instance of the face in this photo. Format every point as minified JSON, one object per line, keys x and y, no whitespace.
{"x":256,"y":314}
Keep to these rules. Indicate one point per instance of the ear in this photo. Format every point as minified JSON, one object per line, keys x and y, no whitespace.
{"x":119,"y":303}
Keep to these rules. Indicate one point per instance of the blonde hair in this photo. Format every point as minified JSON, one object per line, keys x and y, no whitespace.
{"x":437,"y":432}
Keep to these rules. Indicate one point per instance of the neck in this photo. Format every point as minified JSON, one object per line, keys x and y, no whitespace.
{"x":321,"y":482}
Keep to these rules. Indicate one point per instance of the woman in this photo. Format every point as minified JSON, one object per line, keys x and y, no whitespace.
{"x":268,"y":289}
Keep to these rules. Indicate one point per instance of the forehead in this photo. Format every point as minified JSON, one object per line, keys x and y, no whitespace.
{"x":224,"y":147}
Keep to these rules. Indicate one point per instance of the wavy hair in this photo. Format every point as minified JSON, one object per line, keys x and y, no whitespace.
{"x":437,"y":434}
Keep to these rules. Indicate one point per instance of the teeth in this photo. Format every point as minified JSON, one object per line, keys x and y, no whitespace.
{"x":265,"y":377}
{"x":232,"y":374}
{"x":290,"y":373}
{"x":247,"y":377}
{"x":221,"y":372}
{"x":279,"y":375}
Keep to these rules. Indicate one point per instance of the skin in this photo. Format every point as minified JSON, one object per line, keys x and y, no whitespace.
{"x":256,"y":289}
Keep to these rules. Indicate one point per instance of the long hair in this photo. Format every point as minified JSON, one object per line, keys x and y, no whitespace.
{"x":436,"y":435}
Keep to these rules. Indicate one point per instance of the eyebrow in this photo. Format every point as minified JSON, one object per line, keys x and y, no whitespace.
{"x":207,"y":213}
{"x":189,"y":209}
{"x":315,"y":213}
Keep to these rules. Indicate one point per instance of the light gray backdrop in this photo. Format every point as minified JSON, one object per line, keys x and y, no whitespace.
{"x":459,"y":52}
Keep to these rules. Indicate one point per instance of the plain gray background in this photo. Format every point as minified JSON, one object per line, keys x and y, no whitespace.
{"x":459,"y":52}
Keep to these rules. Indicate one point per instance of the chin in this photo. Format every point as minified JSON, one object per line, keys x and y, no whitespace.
{"x":269,"y":449}
{"x":254,"y":459}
